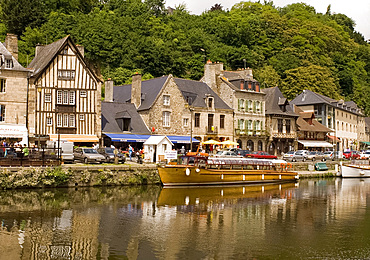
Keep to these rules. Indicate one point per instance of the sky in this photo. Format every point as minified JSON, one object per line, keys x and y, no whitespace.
{"x":357,"y":10}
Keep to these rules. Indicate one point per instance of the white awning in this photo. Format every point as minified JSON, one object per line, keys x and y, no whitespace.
{"x":13,"y":131}
{"x":312,"y":143}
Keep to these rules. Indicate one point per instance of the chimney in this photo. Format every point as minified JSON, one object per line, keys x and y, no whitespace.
{"x":39,"y":48}
{"x":211,"y":72}
{"x":108,"y":90}
{"x":81,"y":50}
{"x":136,"y":90}
{"x":11,"y":44}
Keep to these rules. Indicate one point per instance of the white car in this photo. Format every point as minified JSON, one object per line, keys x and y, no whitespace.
{"x":288,"y":156}
{"x":365,"y":155}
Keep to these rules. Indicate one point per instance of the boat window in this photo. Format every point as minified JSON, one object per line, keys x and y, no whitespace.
{"x":191,"y":161}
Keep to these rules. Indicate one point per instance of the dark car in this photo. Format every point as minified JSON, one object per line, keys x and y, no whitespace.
{"x":261,"y":155}
{"x":109,"y":155}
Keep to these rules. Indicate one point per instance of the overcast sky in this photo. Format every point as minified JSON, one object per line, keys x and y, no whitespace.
{"x":358,"y":10}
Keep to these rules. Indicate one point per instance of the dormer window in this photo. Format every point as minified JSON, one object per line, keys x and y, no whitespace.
{"x":210,"y":102}
{"x":8,"y":63}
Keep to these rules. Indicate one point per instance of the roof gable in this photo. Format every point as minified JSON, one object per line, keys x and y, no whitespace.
{"x":277,"y":104}
{"x":5,"y":54}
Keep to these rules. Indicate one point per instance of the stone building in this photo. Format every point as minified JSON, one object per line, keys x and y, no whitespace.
{"x":179,"y":108}
{"x":345,"y":119}
{"x":281,"y":124}
{"x":64,"y":95}
{"x":242,"y":93}
{"x":13,"y":93}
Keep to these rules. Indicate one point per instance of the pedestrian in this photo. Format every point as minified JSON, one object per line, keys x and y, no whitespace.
{"x":25,"y":151}
{"x":182,"y":150}
{"x":130,"y":151}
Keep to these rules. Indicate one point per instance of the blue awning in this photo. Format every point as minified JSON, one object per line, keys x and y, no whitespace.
{"x":130,"y":138}
{"x":181,"y":139}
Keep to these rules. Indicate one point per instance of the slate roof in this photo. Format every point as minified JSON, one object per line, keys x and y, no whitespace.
{"x":112,"y":109}
{"x":17,"y":66}
{"x":308,"y":97}
{"x":149,"y":92}
{"x":274,"y":97}
{"x":316,"y":126}
{"x":197,"y":91}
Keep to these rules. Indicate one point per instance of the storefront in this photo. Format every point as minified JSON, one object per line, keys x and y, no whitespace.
{"x":12,"y":133}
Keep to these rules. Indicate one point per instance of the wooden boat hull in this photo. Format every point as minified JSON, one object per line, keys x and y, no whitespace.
{"x":353,"y":171}
{"x":191,"y":175}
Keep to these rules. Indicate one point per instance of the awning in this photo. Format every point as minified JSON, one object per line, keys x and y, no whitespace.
{"x":334,"y":138}
{"x":312,"y":143}
{"x":367,"y":143}
{"x":13,"y":131}
{"x":75,"y":138}
{"x":131,"y":138}
{"x":177,"y":139}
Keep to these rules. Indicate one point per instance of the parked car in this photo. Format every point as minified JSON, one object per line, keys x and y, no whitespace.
{"x":109,"y":155}
{"x":300,"y":155}
{"x":243,"y":153}
{"x":351,"y":155}
{"x":88,"y":155}
{"x":261,"y":155}
{"x":226,"y":153}
{"x":313,"y":156}
{"x":329,"y":155}
{"x":365,"y":155}
{"x":288,"y":156}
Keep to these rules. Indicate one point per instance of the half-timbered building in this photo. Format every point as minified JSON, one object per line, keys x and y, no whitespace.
{"x":65,"y":94}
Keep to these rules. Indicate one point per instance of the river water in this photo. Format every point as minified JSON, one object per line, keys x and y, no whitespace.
{"x":312,"y":219}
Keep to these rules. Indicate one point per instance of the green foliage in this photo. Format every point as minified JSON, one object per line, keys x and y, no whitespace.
{"x":293,"y":47}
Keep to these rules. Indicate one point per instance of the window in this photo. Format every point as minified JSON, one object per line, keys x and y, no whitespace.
{"x":49,"y":121}
{"x":48,"y":97}
{"x":2,"y":113}
{"x":241,"y":104}
{"x":250,"y":125}
{"x":241,"y":124}
{"x":287,"y":126}
{"x":222,"y":121}
{"x":83,"y":93}
{"x":2,"y":85}
{"x":66,"y":74}
{"x":166,"y":119}
{"x":166,"y":100}
{"x":280,"y":125}
{"x":82,"y":117}
{"x":66,"y":120}
{"x":65,"y":97}
{"x":186,"y":122}
{"x":197,"y":120}
{"x":250,"y":105}
{"x":8,"y":63}
{"x":210,"y":102}
{"x":258,"y":107}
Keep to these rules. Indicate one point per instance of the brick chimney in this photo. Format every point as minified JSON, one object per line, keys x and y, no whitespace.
{"x":108,"y":90}
{"x":11,"y":44}
{"x":211,"y":72}
{"x":136,"y":90}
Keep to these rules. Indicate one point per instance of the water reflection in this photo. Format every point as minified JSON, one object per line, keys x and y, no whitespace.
{"x":317,"y":219}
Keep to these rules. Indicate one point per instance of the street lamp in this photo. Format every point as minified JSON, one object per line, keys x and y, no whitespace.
{"x":205,"y":55}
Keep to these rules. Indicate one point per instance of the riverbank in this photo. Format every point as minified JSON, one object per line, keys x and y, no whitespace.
{"x":130,"y":173}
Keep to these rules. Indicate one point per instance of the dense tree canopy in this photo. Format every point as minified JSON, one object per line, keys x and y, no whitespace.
{"x":293,"y":47}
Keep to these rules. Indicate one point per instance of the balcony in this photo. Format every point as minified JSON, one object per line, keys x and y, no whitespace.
{"x":246,"y":132}
{"x":284,"y":135}
{"x":211,"y":130}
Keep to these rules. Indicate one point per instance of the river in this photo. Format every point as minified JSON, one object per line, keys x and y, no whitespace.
{"x":314,"y":218}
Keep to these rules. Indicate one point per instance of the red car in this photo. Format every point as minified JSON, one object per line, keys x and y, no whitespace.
{"x":261,"y":155}
{"x":351,"y":155}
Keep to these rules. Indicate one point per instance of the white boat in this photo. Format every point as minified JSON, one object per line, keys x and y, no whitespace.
{"x":353,"y":170}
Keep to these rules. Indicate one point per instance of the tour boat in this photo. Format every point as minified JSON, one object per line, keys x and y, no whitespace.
{"x":353,"y":170}
{"x":201,"y":169}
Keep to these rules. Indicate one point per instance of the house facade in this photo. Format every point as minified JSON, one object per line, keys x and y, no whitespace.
{"x":64,"y":95}
{"x":281,"y":124}
{"x":13,"y":93}
{"x":178,"y":108}
{"x":345,"y":119}
{"x":242,"y":93}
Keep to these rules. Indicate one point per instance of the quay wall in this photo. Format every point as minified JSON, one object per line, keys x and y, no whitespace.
{"x":77,"y":176}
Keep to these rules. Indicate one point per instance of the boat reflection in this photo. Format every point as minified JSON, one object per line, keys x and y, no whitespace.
{"x":194,"y":195}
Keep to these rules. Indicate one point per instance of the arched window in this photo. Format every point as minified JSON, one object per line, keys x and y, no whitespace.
{"x":250,"y":145}
{"x":260,"y":148}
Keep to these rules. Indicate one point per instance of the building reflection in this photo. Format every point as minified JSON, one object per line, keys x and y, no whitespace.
{"x":210,"y":222}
